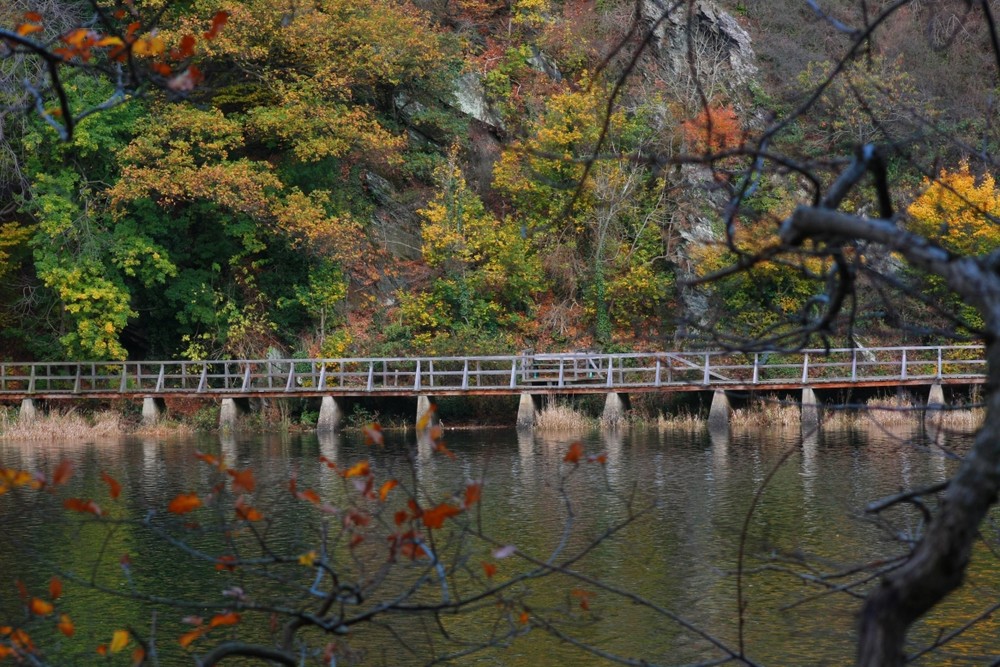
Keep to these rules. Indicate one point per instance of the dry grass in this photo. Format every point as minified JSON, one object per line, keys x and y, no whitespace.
{"x":62,"y":426}
{"x":683,"y":421}
{"x":765,"y":415}
{"x":562,"y":418}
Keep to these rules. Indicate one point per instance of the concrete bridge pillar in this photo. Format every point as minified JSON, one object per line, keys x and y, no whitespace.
{"x":719,"y":413}
{"x":426,"y":412}
{"x":615,"y":406}
{"x":331,"y":413}
{"x":527,"y":411}
{"x":809,"y":415}
{"x":29,"y":411}
{"x":935,"y":399}
{"x":153,"y":409}
{"x":232,"y":410}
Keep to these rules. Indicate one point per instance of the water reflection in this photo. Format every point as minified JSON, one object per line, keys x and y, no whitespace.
{"x":680,"y":556}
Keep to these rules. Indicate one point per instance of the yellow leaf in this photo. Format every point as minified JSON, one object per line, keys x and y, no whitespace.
{"x":307,"y":559}
{"x":119,"y":640}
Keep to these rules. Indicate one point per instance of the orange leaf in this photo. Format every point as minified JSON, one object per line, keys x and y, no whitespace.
{"x":109,"y":40}
{"x":22,"y":640}
{"x":434,"y":517}
{"x":26,"y":29}
{"x":473,"y":493}
{"x":63,"y":472}
{"x":66,"y":625}
{"x":163,"y":69}
{"x":102,"y":650}
{"x":373,"y":435}
{"x":40,"y":607}
{"x":242,"y":480}
{"x":81,"y":505}
{"x":218,"y":21}
{"x":184,"y":503}
{"x":55,"y":588}
{"x":230,"y":618}
{"x":524,"y":618}
{"x":490,"y":569}
{"x":247,"y":512}
{"x":34,"y":17}
{"x":400,"y":516}
{"x":119,"y":640}
{"x":359,"y":469}
{"x":225,"y":563}
{"x":209,"y":459}
{"x":114,"y":488}
{"x":138,"y":656}
{"x":188,"y":638}
{"x":309,"y":495}
{"x":441,"y":449}
{"x":574,"y":453}
{"x":383,"y":491}
{"x":6,"y":652}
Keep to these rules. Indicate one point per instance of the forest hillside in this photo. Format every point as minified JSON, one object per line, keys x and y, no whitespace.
{"x":387,"y":177}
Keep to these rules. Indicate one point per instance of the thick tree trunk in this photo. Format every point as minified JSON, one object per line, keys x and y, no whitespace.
{"x":937,"y":564}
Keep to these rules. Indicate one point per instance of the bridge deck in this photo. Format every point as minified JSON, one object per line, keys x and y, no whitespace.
{"x":570,"y":373}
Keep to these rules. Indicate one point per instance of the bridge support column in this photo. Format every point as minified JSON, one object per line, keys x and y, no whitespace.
{"x":232,"y":410}
{"x":809,"y":414}
{"x":29,"y":411}
{"x":615,"y":406}
{"x":719,"y":413}
{"x":527,"y":411}
{"x":426,"y":412}
{"x":331,"y":413}
{"x":935,"y":399}
{"x":152,"y":409}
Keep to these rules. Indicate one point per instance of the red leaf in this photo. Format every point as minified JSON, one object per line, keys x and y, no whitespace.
{"x":490,"y":569}
{"x":574,"y":454}
{"x":184,"y":503}
{"x":242,"y":480}
{"x":400,"y":517}
{"x":186,"y":48}
{"x":218,"y":21}
{"x":163,"y":69}
{"x":225,"y":563}
{"x":114,"y":488}
{"x":309,"y":495}
{"x":66,"y":625}
{"x":62,"y":473}
{"x":245,"y":511}
{"x":209,"y":459}
{"x":81,"y":505}
{"x":435,"y":517}
{"x":34,"y":17}
{"x":473,"y":493}
{"x":55,"y":588}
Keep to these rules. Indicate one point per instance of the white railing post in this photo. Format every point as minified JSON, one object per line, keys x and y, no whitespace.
{"x":902,"y":370}
{"x":805,"y":368}
{"x":430,"y":371}
{"x":371,"y":377}
{"x":611,"y":371}
{"x":159,"y":378}
{"x":854,"y":365}
{"x":246,"y":378}
{"x":124,"y":381}
{"x":31,"y":380}
{"x":513,"y":373}
{"x":291,"y":376}
{"x":756,"y":367}
{"x":940,"y":368}
{"x":706,"y":381}
{"x":322,"y":375}
{"x":76,"y":382}
{"x":203,"y":380}
{"x":416,"y":378}
{"x":465,"y":374}
{"x":561,"y":365}
{"x":656,"y":382}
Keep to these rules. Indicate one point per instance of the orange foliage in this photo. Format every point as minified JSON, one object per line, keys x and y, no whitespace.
{"x":359,"y":469}
{"x":713,"y":130}
{"x":242,"y":480}
{"x":62,"y":472}
{"x":383,"y":491}
{"x":66,"y":625}
{"x":473,"y":494}
{"x":40,"y":607}
{"x":55,"y":588}
{"x":81,"y":505}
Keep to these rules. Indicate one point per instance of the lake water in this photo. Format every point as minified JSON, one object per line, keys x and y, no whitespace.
{"x":692,"y":495}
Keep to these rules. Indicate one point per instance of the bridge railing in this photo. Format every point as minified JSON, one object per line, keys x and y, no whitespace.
{"x":506,"y":373}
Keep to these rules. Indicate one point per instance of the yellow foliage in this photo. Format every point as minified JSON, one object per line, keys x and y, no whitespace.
{"x":958,"y":212}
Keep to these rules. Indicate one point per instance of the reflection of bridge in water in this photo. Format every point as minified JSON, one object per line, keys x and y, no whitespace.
{"x":529,"y":375}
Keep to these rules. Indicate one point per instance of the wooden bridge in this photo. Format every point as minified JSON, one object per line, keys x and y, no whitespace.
{"x":526,"y":374}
